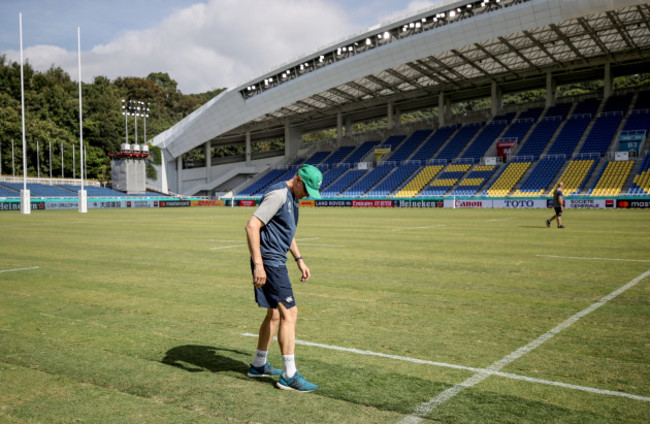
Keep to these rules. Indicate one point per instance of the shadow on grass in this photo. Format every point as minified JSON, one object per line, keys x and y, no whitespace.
{"x":193,"y":358}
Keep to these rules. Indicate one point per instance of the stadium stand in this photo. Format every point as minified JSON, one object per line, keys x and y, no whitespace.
{"x":474,"y":180}
{"x":638,"y":120}
{"x":533,"y":113}
{"x":264,"y":181}
{"x":317,"y":157}
{"x":419,"y":181}
{"x":601,"y":134}
{"x":570,"y":135}
{"x":540,"y":136}
{"x":519,"y":129}
{"x":434,"y":143}
{"x":42,"y":190}
{"x":459,"y":141}
{"x":508,"y":179}
{"x":333,"y":173}
{"x":94,"y":191}
{"x":394,"y":179}
{"x":366,"y":182}
{"x":345,"y":181}
{"x":361,"y":152}
{"x":339,"y":155}
{"x":587,"y":107}
{"x":619,"y":103}
{"x":416,"y":165}
{"x":406,"y":149}
{"x":575,"y":175}
{"x":641,"y":183}
{"x":540,"y":177}
{"x":8,"y":192}
{"x":485,"y":139}
{"x":447,"y":179}
{"x":611,"y":180}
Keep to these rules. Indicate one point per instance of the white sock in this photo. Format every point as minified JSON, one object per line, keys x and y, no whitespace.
{"x":260,"y":358}
{"x":288,"y":366}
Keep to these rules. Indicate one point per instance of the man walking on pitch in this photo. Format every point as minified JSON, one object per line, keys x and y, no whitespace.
{"x":271,"y":234}
{"x":558,"y":205}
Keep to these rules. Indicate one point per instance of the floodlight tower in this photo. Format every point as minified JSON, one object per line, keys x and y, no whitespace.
{"x":125,"y":112}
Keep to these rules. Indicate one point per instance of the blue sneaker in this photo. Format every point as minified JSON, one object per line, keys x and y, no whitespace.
{"x":296,"y":383}
{"x":265,"y":370}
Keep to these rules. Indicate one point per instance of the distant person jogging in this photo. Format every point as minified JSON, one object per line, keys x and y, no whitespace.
{"x":271,"y":234}
{"x":558,"y":205}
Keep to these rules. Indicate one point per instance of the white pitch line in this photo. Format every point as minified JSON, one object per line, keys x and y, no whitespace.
{"x":472,"y":369}
{"x":592,"y":259}
{"x":417,"y":228}
{"x":19,"y":269}
{"x":381,"y":355}
{"x":228,"y":247}
{"x":427,"y":407}
{"x":322,"y":245}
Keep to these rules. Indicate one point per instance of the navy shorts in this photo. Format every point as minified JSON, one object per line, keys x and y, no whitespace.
{"x":558,"y":211}
{"x":276,"y":289}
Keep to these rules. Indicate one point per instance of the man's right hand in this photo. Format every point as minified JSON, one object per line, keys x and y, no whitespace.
{"x":259,"y":275}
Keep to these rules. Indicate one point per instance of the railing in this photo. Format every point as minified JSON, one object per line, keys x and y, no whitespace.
{"x":51,"y":181}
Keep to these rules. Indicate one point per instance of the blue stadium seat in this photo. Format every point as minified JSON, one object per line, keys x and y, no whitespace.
{"x":42,"y":190}
{"x":569,"y":137}
{"x":317,"y":157}
{"x":406,"y":149}
{"x":459,"y":141}
{"x":339,"y":155}
{"x":433,"y":143}
{"x":267,"y":179}
{"x":540,"y":136}
{"x":345,"y":181}
{"x":332,"y":174}
{"x":600,"y":137}
{"x":485,"y":139}
{"x":361,"y":152}
{"x":542,"y":175}
{"x":366,"y":182}
{"x":6,"y":191}
{"x":394,"y":180}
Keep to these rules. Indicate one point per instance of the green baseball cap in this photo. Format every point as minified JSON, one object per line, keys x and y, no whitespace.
{"x":312,"y":178}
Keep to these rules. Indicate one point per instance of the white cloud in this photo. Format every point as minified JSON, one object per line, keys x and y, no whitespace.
{"x":219,"y":44}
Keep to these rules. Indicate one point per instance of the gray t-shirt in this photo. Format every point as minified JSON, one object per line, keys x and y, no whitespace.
{"x":556,"y":197}
{"x":279,"y":213}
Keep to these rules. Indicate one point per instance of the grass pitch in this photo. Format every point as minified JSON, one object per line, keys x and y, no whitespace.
{"x":140,"y":316}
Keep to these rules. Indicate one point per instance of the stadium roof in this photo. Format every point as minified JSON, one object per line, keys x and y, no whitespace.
{"x":459,"y":48}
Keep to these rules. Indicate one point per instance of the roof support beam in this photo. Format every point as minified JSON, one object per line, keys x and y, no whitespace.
{"x":472,"y":64}
{"x":543,"y":48}
{"x":568,"y":42}
{"x":621,"y":30}
{"x":403,"y":78}
{"x":361,"y":88}
{"x":426,"y":71}
{"x":589,"y":30}
{"x":518,"y":53}
{"x":496,"y":59}
{"x":449,"y":69}
{"x":381,"y":82}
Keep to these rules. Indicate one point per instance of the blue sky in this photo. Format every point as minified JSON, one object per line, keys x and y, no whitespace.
{"x":201,"y":44}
